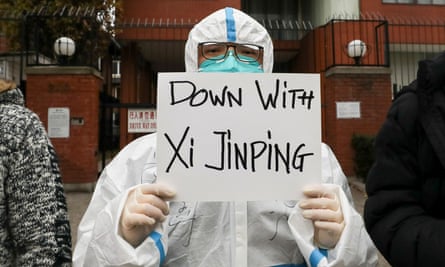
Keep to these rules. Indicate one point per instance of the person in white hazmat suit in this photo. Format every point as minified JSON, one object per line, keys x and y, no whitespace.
{"x":130,"y":221}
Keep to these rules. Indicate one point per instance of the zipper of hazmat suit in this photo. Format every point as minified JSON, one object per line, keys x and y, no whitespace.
{"x":239,"y":238}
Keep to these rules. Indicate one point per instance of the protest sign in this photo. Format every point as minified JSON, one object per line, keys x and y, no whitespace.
{"x":238,"y":136}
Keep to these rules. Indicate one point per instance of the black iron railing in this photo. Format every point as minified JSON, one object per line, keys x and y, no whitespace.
{"x":341,"y":35}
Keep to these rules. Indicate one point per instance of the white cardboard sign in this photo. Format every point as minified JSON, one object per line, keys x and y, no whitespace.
{"x":238,"y":136}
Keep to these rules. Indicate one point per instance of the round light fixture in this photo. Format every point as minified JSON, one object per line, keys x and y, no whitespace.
{"x":64,"y":46}
{"x":356,"y":50}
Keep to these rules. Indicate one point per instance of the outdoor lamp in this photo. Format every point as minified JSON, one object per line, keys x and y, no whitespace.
{"x":64,"y":47}
{"x":356,"y":50}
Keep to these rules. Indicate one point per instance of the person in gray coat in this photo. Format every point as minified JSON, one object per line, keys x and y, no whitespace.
{"x":34,"y":225}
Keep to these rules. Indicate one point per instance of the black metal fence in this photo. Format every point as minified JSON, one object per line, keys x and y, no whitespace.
{"x":342,"y":36}
{"x":82,"y":27}
{"x":39,"y":28}
{"x":397,"y":43}
{"x":412,"y":40}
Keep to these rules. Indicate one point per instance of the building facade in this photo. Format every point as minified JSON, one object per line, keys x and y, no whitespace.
{"x":309,"y":37}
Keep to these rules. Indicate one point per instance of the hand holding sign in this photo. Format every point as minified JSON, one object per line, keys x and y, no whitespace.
{"x":251,"y":136}
{"x":322,"y":206}
{"x":145,"y":206}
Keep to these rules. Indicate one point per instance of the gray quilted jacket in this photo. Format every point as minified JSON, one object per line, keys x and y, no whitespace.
{"x":34,"y":226}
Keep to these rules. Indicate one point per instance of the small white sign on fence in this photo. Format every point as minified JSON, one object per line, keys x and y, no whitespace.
{"x":141,"y":120}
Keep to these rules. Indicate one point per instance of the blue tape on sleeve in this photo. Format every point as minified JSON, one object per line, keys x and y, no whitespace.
{"x":157,"y":239}
{"x":316,"y":256}
{"x":291,"y":265}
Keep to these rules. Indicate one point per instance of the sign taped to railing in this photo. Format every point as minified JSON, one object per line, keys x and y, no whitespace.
{"x":141,"y":120}
{"x":238,"y":136}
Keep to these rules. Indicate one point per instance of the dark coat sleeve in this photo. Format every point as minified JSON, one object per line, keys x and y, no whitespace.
{"x":394,"y":215}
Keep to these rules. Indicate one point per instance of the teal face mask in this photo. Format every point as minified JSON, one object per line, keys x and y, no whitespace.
{"x":230,"y":64}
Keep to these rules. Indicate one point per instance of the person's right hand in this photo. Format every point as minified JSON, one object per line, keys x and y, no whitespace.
{"x":145,"y":206}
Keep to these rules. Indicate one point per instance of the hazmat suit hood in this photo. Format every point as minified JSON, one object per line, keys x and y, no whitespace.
{"x":228,"y":25}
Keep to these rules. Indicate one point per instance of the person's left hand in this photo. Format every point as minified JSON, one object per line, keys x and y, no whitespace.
{"x":322,"y":206}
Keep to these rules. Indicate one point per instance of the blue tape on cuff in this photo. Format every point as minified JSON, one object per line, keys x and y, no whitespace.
{"x":291,"y":265}
{"x":230,"y":25}
{"x":157,"y":239}
{"x":316,"y":256}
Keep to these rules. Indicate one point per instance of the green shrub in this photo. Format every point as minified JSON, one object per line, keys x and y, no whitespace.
{"x":364,"y":154}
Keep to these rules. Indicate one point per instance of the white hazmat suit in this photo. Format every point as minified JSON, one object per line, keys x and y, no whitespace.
{"x":220,"y":234}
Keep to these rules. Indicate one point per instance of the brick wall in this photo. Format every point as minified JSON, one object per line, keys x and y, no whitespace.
{"x":76,"y":88}
{"x":371,"y":87}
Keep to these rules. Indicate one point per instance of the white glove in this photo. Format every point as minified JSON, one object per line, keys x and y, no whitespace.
{"x":145,"y":206}
{"x":322,"y":206}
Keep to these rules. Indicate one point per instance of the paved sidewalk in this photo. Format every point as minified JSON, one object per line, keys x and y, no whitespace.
{"x":78,"y":201}
{"x":359,"y":195}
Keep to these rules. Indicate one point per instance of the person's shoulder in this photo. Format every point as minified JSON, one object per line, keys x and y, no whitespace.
{"x":143,"y":140}
{"x":19,"y":118}
{"x":327,"y":152}
{"x":406,"y":101}
{"x":408,"y":94}
{"x":409,"y":89}
{"x":20,"y":129}
{"x":132,"y":156}
{"x":139,"y":146}
{"x":325,"y":149}
{"x":405,"y":110}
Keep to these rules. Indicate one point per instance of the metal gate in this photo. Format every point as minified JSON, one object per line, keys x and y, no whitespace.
{"x":112,"y":125}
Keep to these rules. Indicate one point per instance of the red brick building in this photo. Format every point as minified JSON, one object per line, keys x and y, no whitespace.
{"x":308,"y":36}
{"x":157,"y":32}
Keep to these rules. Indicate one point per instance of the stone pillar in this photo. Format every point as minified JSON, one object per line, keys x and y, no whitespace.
{"x":366,"y":87}
{"x":75,"y":89}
